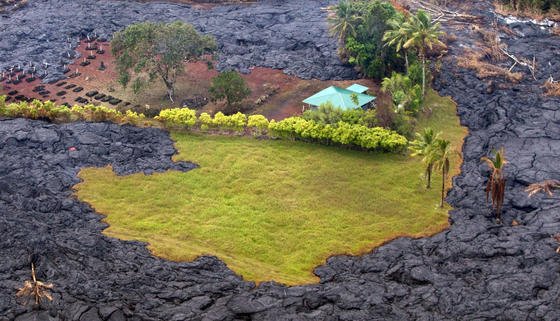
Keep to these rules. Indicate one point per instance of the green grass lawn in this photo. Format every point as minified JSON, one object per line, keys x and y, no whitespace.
{"x":273,"y":210}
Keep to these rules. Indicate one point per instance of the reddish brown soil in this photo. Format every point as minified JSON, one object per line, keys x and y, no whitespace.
{"x":284,"y":93}
{"x":90,"y":78}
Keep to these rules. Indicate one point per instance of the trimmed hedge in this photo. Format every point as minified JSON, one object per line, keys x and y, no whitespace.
{"x":342,"y":133}
{"x":178,"y":117}
{"x":50,"y":111}
{"x":375,"y":138}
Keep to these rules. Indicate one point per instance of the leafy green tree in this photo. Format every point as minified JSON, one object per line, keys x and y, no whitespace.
{"x":364,"y":45}
{"x":149,"y":50}
{"x":423,"y":146}
{"x":229,"y":85}
{"x":496,"y":186}
{"x":423,"y":35}
{"x":441,"y":153}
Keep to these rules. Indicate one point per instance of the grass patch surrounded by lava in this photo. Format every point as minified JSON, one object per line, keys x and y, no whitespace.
{"x":273,"y":210}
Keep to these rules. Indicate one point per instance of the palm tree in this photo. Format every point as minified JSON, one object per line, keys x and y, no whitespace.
{"x":423,"y":35}
{"x":441,"y":153}
{"x":397,"y":36}
{"x":343,"y":24}
{"x":424,"y":145}
{"x":496,"y":186}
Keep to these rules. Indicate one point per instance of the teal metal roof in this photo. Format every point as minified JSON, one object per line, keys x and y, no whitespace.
{"x":357,"y":88}
{"x":338,"y":97}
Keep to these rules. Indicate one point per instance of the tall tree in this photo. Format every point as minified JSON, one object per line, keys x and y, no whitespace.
{"x":424,"y":146}
{"x":496,"y":186}
{"x":148,"y":50}
{"x":441,"y":153}
{"x":423,"y":35}
{"x":397,"y":35}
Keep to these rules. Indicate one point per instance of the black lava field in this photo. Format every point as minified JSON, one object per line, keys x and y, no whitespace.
{"x":475,"y":270}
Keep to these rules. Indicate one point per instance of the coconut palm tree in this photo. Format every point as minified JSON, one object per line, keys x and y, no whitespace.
{"x":343,"y":24}
{"x":424,"y":145}
{"x":397,"y":35}
{"x":423,"y":35}
{"x":441,"y":152}
{"x":496,"y":186}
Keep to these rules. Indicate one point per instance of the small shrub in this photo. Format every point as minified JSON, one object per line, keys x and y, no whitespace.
{"x":237,"y":122}
{"x":134,"y":118}
{"x":229,"y":85}
{"x":552,"y":88}
{"x":50,"y":111}
{"x":205,"y":121}
{"x":258,"y":124}
{"x":178,"y":117}
{"x":220,"y":120}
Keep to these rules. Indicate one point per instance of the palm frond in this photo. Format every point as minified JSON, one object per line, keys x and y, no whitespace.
{"x":546,"y":186}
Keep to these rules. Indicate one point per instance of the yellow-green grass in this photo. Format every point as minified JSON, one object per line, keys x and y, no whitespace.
{"x":273,"y":210}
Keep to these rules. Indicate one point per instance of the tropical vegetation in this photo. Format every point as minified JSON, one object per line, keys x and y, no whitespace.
{"x":359,"y":27}
{"x":406,"y":95}
{"x":422,"y":35}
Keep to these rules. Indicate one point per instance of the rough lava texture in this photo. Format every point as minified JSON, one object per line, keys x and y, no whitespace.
{"x":476,"y":270}
{"x":289,"y":35}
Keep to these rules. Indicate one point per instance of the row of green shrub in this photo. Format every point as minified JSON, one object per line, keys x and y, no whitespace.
{"x":50,"y":111}
{"x":342,"y":133}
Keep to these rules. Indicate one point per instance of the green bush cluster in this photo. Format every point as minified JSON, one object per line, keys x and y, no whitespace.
{"x":342,"y":133}
{"x":177,"y":117}
{"x":56,"y":113}
{"x":258,"y":124}
{"x":363,"y":23}
{"x":185,"y":117}
{"x":405,"y":93}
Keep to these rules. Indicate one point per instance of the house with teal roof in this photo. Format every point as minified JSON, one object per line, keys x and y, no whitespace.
{"x":344,"y":99}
